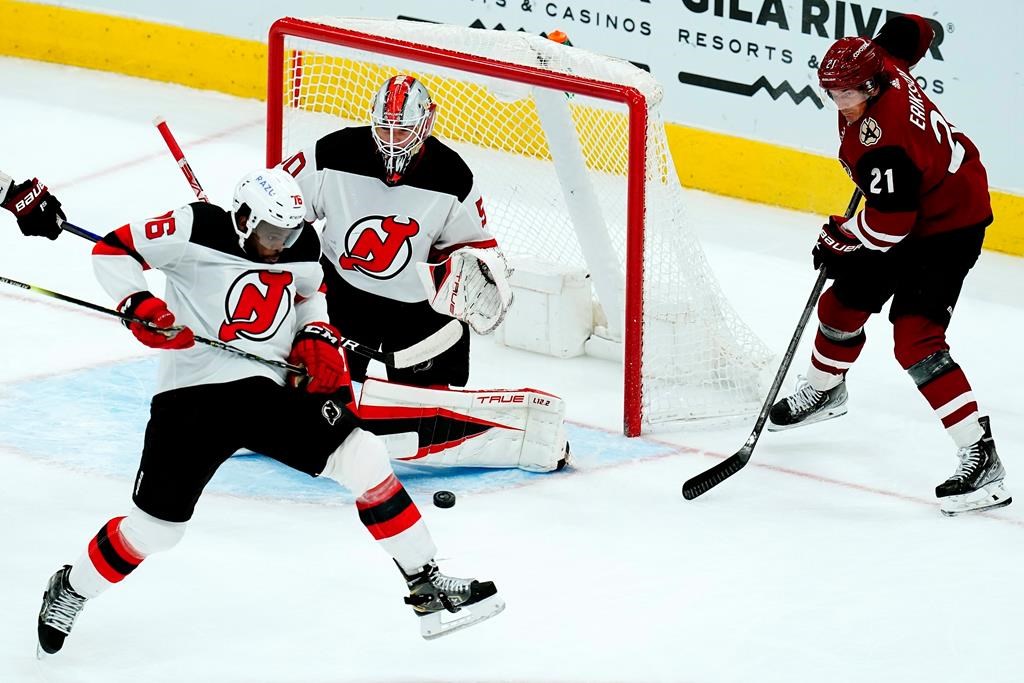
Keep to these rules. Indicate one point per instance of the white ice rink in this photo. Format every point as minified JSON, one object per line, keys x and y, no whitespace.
{"x":824,"y":560}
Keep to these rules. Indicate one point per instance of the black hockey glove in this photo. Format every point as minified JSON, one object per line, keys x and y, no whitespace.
{"x":834,"y":248}
{"x":36,"y":209}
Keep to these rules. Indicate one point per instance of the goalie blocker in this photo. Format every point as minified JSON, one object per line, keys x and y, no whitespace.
{"x":521,"y":428}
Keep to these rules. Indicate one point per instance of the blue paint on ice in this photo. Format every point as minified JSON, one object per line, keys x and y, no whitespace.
{"x":94,"y":420}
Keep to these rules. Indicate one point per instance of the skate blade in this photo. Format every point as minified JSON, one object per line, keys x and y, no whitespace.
{"x":838,"y":411}
{"x":990,"y":497}
{"x":442,"y":623}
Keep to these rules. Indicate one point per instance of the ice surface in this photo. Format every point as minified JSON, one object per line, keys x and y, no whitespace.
{"x":826,"y":559}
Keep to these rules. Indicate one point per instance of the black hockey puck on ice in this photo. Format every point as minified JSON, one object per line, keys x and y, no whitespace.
{"x":444,"y":499}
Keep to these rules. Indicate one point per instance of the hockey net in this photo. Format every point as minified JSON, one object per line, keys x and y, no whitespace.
{"x":570,"y":153}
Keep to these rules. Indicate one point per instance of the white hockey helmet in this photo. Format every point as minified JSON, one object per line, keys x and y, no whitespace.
{"x":402,"y":115}
{"x":276,"y":209}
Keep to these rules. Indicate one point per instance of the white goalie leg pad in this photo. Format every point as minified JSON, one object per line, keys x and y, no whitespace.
{"x":522,"y":428}
{"x":470,"y":285}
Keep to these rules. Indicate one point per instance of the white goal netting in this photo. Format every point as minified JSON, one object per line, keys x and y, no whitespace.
{"x":554,"y":168}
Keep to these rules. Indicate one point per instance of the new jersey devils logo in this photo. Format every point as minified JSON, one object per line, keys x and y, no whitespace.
{"x":379,"y":246}
{"x":256,"y":305}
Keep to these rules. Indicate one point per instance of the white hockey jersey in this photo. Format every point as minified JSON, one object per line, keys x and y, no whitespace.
{"x":374,"y":233}
{"x":214,"y":288}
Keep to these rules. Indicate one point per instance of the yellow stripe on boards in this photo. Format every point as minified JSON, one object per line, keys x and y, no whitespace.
{"x":133,"y":47}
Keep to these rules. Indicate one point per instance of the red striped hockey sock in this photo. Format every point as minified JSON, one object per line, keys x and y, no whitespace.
{"x":394,"y":520}
{"x":921,"y":348}
{"x":837,"y":344}
{"x":106,"y":561}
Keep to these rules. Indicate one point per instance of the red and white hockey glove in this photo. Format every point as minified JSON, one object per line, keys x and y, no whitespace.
{"x":834,"y":245}
{"x":36,"y":209}
{"x":317,"y":348}
{"x":144,"y":306}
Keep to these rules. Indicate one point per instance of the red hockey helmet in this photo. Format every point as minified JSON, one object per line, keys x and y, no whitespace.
{"x":851,"y":63}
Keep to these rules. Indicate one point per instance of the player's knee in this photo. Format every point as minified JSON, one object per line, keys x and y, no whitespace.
{"x":360,"y":462}
{"x":147,"y":534}
{"x":916,"y":338}
{"x":835,"y":315}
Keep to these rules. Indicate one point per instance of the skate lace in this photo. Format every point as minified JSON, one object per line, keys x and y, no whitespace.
{"x":970,"y":458}
{"x":62,"y":612}
{"x":805,"y":397}
{"x":449,"y":584}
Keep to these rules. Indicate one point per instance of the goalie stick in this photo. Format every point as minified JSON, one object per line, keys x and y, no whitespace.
{"x":179,"y":157}
{"x":708,"y":479}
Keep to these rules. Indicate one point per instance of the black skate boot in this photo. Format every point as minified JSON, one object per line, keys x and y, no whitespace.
{"x":807,"y":406}
{"x":61,"y":606}
{"x":445,"y":604}
{"x":977,"y":483}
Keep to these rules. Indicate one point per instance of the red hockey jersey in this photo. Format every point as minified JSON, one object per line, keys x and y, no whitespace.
{"x":920,"y":175}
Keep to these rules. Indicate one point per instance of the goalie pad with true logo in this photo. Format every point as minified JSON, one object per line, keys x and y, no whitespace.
{"x":470,"y":285}
{"x":522,"y":428}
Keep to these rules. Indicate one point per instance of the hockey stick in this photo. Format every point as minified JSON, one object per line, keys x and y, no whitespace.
{"x":127,"y":318}
{"x":179,"y":157}
{"x":75,"y":230}
{"x":705,"y":481}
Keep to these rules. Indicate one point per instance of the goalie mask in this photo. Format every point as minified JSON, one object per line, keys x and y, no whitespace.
{"x":401,"y":117}
{"x":276,"y":211}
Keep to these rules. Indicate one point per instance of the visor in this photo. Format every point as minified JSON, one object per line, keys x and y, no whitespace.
{"x":274,"y":237}
{"x":846,"y":98}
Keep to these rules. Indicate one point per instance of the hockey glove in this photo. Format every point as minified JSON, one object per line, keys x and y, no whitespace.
{"x":145,"y":306}
{"x":834,"y":246}
{"x":317,"y":347}
{"x":471,"y":285}
{"x":37,"y":210}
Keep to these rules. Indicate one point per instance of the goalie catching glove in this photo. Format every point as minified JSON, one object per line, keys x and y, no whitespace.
{"x":317,"y":348}
{"x":470,"y":285}
{"x":153,"y":310}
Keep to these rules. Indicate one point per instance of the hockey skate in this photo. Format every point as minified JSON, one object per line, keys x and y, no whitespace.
{"x":446,"y":604}
{"x":807,"y":406}
{"x":61,"y":606}
{"x":977,"y":483}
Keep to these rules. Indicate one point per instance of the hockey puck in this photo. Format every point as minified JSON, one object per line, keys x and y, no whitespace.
{"x":444,"y":499}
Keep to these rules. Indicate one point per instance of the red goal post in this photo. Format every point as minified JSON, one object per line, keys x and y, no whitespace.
{"x":313,"y":63}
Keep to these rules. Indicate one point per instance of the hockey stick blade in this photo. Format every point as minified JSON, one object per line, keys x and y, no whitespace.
{"x":427,"y":348}
{"x":707,"y":480}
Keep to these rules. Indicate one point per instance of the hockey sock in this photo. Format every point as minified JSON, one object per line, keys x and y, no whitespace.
{"x":361,"y":465}
{"x":394,"y":520}
{"x":106,"y":561}
{"x":837,"y":344}
{"x":921,"y":348}
{"x":119,"y":548}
